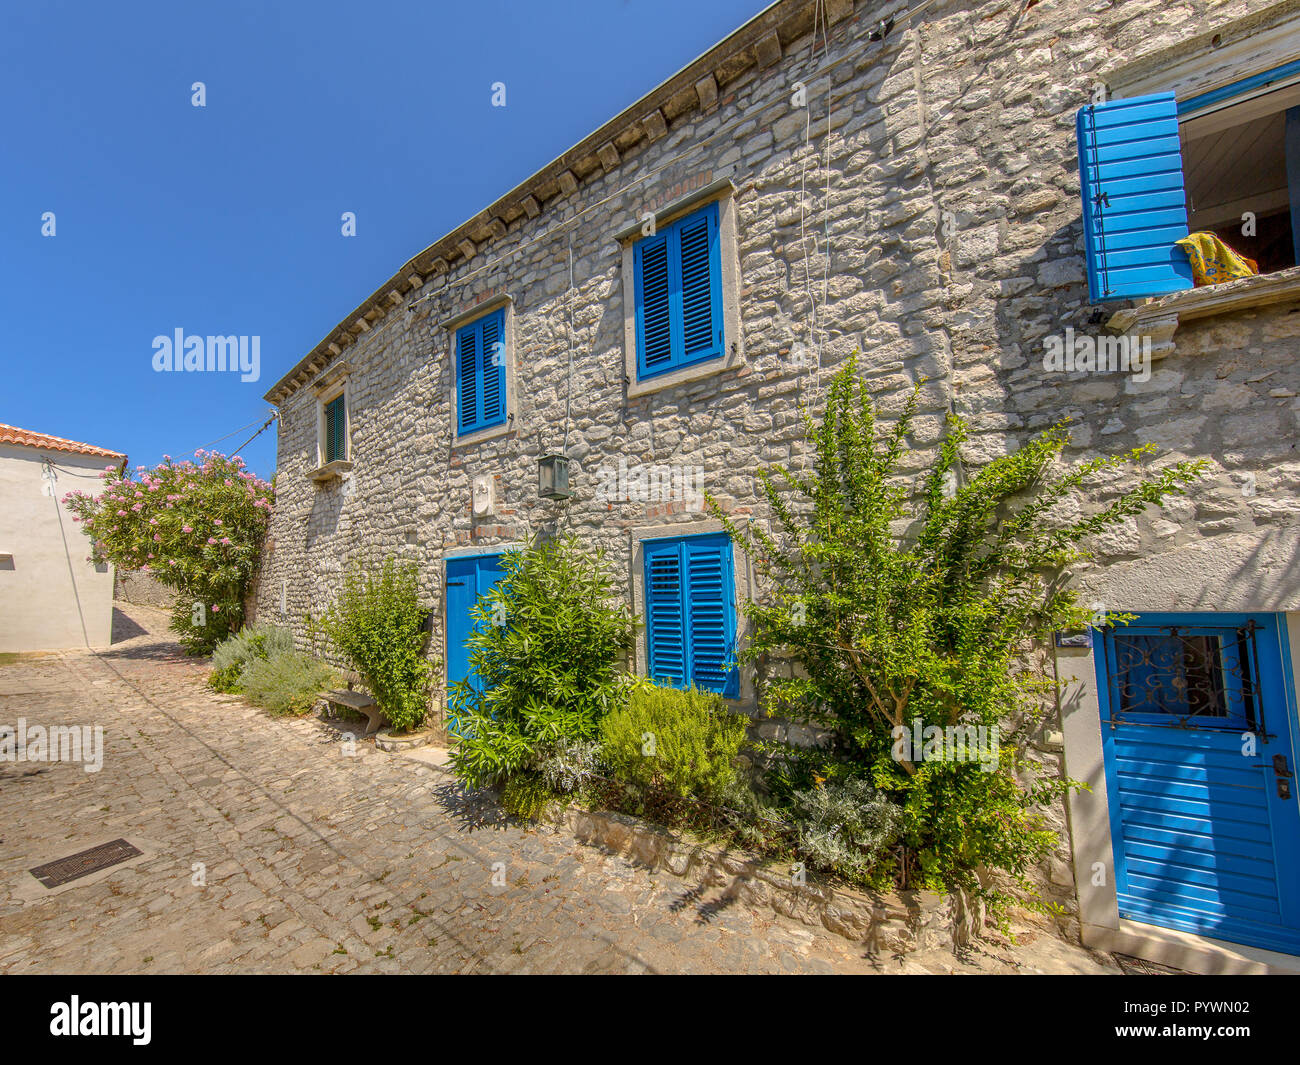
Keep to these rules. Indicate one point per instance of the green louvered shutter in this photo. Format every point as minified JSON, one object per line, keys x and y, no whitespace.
{"x":336,"y":430}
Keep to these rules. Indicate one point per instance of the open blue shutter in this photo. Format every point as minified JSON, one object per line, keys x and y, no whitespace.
{"x":467,"y":373}
{"x":1134,"y":205}
{"x":653,"y":322}
{"x":711,"y":609}
{"x":494,"y":369}
{"x":665,"y":613}
{"x":701,"y":287}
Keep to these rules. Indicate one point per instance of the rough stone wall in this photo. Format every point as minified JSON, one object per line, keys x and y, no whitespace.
{"x":134,"y":586}
{"x":966,"y":114}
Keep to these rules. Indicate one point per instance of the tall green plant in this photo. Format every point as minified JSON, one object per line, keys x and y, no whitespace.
{"x":919,"y":601}
{"x":377,"y":625}
{"x":547,"y":650}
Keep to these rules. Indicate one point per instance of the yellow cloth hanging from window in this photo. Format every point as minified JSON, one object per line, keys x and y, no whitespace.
{"x":1213,"y":262}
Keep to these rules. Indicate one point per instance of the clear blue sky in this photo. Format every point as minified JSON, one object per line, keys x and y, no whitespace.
{"x":225,"y":219}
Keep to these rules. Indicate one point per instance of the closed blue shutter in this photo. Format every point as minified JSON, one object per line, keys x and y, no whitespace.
{"x":679,"y":294}
{"x":1134,"y":205}
{"x":494,"y":370}
{"x":481,"y":373}
{"x":690,"y":613}
{"x":665,"y":615}
{"x":701,"y":287}
{"x":653,"y":328}
{"x":467,"y":377}
{"x":711,"y":608}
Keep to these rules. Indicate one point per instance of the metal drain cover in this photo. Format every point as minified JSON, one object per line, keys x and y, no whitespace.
{"x":75,"y":866}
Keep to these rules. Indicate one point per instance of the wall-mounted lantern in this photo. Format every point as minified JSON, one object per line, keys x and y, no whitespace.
{"x":553,"y":477}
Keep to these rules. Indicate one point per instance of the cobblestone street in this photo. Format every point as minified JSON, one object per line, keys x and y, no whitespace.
{"x":318,"y":862}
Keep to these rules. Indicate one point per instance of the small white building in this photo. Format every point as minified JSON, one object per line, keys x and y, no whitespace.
{"x":51,"y":597}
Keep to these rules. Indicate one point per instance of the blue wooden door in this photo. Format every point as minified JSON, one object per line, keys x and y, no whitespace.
{"x":468,"y":577}
{"x":1197,"y":738}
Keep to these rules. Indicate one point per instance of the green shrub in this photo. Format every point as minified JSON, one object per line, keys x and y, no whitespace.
{"x":569,"y":765}
{"x":235,"y":652}
{"x":547,"y":649}
{"x":287,"y":683}
{"x":683,"y":743}
{"x":526,"y":795}
{"x":377,"y":625}
{"x":846,"y":827}
{"x":909,"y":600}
{"x":196,"y":526}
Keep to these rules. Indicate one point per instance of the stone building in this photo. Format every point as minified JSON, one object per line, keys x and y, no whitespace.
{"x":656,"y":303}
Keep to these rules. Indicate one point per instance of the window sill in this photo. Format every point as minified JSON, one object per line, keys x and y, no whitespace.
{"x":1159,"y":319}
{"x":695,"y":372}
{"x":491,"y":432}
{"x":330,"y":471}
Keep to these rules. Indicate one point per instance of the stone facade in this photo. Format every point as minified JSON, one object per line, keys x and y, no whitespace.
{"x":923,"y":207}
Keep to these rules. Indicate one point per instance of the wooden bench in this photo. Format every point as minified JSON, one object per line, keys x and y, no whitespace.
{"x":363,"y":703}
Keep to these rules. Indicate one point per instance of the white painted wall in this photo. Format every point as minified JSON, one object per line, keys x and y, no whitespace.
{"x":50,"y":597}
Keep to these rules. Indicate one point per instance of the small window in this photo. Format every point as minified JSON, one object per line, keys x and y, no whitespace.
{"x":481,"y":373}
{"x":679,"y":295}
{"x":1235,"y":160}
{"x":336,"y":429}
{"x":691,"y":613}
{"x":1222,"y":169}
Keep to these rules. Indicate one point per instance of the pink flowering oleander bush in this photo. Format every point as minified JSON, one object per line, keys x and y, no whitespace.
{"x":197,"y":526}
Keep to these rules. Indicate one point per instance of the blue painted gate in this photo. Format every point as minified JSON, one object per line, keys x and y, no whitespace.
{"x":468,"y":577}
{"x":1197,"y":738}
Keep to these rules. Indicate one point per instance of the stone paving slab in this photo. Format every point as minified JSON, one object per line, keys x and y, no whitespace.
{"x":268,"y":849}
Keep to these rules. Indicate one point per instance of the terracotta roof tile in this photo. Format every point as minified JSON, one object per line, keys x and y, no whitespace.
{"x":11,"y":434}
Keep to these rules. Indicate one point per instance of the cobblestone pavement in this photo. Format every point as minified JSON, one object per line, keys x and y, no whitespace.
{"x":318,"y":862}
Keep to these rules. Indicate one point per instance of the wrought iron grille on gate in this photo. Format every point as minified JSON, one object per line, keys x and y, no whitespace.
{"x":1185,"y":677}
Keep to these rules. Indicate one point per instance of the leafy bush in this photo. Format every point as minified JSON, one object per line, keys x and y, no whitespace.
{"x":235,"y":652}
{"x":846,"y":827}
{"x":377,"y":625}
{"x":197,"y":526}
{"x":905,"y":603}
{"x":527,"y":795}
{"x":680,"y":742}
{"x":569,"y":765}
{"x":286,"y":683}
{"x":547,"y":650}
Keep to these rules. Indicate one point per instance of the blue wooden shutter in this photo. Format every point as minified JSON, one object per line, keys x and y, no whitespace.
{"x":712,"y":613}
{"x":679,"y":294}
{"x":653,"y":320}
{"x":1134,"y":205}
{"x":492,"y":345}
{"x":701,"y":286}
{"x":467,"y":376}
{"x":665,"y":612}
